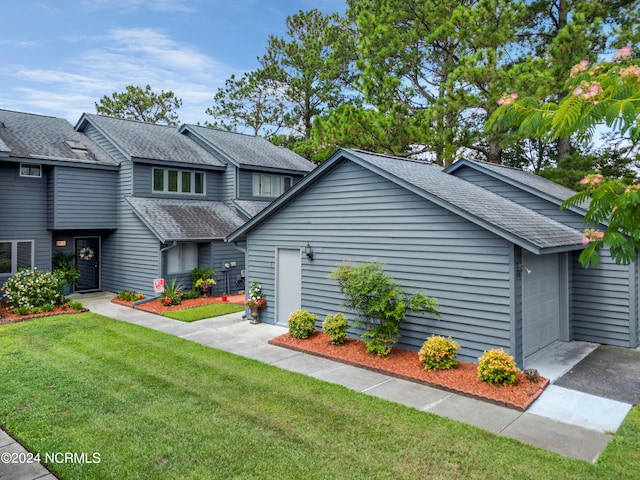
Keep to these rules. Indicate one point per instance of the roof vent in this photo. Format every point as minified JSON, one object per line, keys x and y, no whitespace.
{"x":76,"y":145}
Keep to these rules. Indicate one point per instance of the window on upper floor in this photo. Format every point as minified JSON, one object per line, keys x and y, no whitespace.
{"x":15,"y":255}
{"x":265,"y":185}
{"x":182,"y":258}
{"x":166,"y":180}
{"x":30,"y":170}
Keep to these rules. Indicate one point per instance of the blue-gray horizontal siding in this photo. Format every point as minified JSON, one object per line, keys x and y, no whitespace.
{"x":23,"y":212}
{"x":517,"y":195}
{"x":131,"y":254}
{"x":143,"y":183}
{"x":83,"y":198}
{"x":600,"y":303}
{"x":353,"y":215}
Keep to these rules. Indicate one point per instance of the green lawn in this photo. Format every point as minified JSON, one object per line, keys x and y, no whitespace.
{"x":205,"y":311}
{"x":157,"y":406}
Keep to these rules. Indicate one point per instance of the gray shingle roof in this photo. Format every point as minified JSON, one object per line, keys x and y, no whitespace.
{"x":27,"y":135}
{"x":509,"y":217}
{"x":536,"y":182}
{"x":141,"y":140}
{"x":184,"y":220}
{"x":251,"y":207}
{"x":251,"y":151}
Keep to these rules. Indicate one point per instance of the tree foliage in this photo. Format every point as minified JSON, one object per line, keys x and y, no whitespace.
{"x":140,"y":104}
{"x":604,"y":94}
{"x":251,"y":101}
{"x":379,"y":303}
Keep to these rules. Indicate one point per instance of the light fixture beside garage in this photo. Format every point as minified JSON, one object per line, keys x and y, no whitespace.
{"x":308,"y":252}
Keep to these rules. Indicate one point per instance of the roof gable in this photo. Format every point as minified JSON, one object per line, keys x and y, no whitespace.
{"x":40,"y":137}
{"x":249,"y":151}
{"x":516,"y":223}
{"x":149,"y":141}
{"x":526,"y":181}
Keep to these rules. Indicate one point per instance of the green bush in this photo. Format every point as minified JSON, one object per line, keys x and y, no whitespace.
{"x":380,"y":305}
{"x":497,"y":366}
{"x":47,"y":307}
{"x":33,"y":288}
{"x":130,"y":296}
{"x":438,"y":353}
{"x":172,"y":294}
{"x":75,"y":305}
{"x":189,"y":294}
{"x":22,"y":310}
{"x":336,"y":327}
{"x":301,"y":323}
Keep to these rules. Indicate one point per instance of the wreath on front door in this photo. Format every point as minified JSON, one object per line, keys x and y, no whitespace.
{"x":86,"y":254}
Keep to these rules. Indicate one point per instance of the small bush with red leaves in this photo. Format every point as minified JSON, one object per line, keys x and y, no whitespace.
{"x":497,"y":366}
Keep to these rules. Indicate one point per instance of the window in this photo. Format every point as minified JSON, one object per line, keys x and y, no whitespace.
{"x":15,"y":255}
{"x":270,"y":185}
{"x":167,"y":180}
{"x":182,"y":258}
{"x":30,"y":170}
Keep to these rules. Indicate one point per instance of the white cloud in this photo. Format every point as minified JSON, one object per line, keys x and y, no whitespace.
{"x":123,"y":57}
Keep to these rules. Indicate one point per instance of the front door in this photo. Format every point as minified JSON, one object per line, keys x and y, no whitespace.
{"x":87,"y":260}
{"x":288,"y":283}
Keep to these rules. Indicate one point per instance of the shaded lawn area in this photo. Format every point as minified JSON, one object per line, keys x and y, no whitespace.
{"x":157,"y":406}
{"x":205,"y":311}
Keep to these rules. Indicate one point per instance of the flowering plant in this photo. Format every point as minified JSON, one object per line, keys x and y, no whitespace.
{"x":257,"y":297}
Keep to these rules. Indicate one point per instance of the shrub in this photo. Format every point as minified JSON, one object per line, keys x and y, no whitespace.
{"x":336,"y":327}
{"x":301,"y":323}
{"x":36,"y":310}
{"x":380,"y":305}
{"x":497,"y":366}
{"x":75,"y":305}
{"x":438,"y":353}
{"x":33,"y":288}
{"x":130,"y":296}
{"x":532,"y":375}
{"x":190,"y":294}
{"x":47,"y":307}
{"x":172,"y":294}
{"x":22,"y":311}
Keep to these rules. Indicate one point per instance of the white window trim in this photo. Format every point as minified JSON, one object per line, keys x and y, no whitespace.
{"x":165,"y":178}
{"x":30,"y":165}
{"x":257,"y":190}
{"x":14,"y":254}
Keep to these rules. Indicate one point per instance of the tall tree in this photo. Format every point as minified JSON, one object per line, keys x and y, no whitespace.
{"x":251,"y":101}
{"x":143,"y":105}
{"x":311,"y":66}
{"x":445,"y":62}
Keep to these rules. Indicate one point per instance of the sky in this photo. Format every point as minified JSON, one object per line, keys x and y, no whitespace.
{"x":60,"y":57}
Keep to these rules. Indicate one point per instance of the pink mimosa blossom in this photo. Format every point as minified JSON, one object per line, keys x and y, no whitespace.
{"x":624,"y":52}
{"x":585,"y":240}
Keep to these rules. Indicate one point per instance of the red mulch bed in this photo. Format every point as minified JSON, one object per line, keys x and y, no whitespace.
{"x":156,"y":306}
{"x":7,"y":316}
{"x":406,"y":364}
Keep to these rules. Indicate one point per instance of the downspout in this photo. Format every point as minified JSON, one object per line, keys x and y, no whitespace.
{"x":164,"y":249}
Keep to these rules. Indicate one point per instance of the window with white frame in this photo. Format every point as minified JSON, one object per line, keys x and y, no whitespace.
{"x":167,"y":180}
{"x":182,"y":258}
{"x":30,"y":170}
{"x":266,"y":185}
{"x":15,"y":255}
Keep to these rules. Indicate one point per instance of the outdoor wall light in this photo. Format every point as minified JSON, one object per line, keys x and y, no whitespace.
{"x":308,"y":252}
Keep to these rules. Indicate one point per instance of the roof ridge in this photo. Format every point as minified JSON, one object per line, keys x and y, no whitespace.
{"x":394,"y":157}
{"x":225,"y":131}
{"x":141,"y":122}
{"x":33,"y":114}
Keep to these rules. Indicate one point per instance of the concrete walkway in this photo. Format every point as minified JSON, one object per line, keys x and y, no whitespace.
{"x":564,"y":421}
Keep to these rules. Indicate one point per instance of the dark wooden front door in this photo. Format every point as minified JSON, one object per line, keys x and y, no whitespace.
{"x":88,"y":263}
